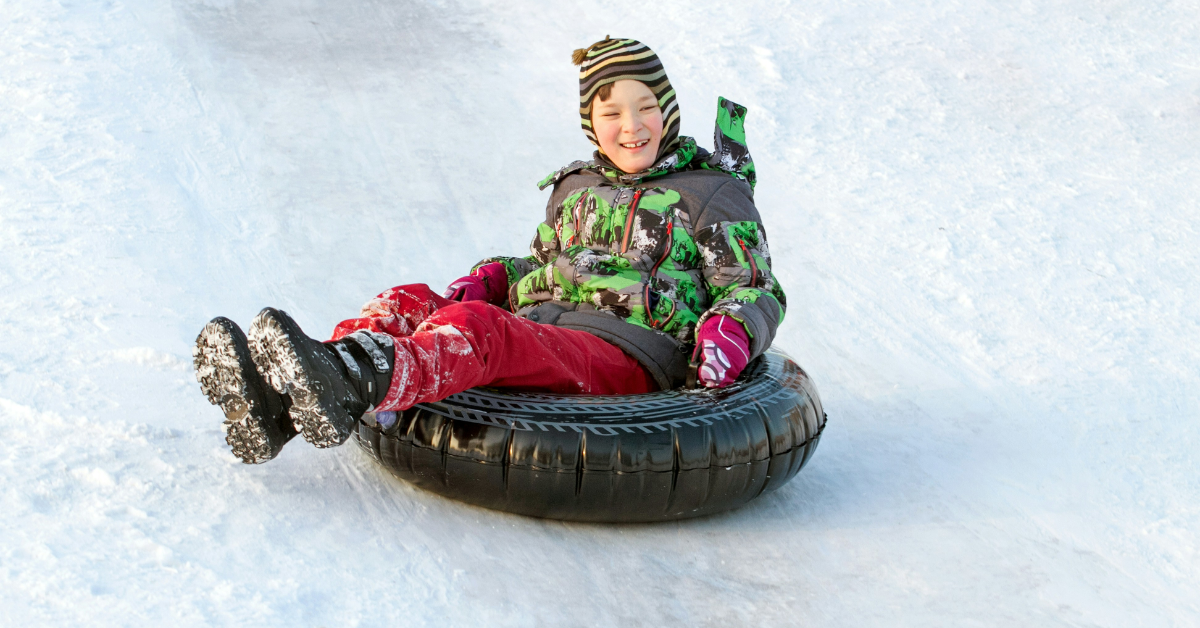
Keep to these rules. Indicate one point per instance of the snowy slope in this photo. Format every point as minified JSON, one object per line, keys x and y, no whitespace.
{"x":983,"y":214}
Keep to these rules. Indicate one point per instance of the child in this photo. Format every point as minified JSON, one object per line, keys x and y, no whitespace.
{"x":650,"y":254}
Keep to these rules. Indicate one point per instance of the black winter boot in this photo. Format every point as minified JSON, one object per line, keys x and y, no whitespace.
{"x":257,"y":425}
{"x":331,"y":384}
{"x":367,"y":359}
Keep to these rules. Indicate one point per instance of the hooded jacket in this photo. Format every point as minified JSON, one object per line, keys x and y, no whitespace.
{"x":640,"y":260}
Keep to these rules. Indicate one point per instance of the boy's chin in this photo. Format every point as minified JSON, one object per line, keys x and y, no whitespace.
{"x":632,"y":165}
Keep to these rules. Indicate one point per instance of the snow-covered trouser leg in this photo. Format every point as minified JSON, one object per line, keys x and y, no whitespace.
{"x":331,"y":386}
{"x":470,"y":344}
{"x":441,"y":347}
{"x":257,"y":425}
{"x":396,"y":312}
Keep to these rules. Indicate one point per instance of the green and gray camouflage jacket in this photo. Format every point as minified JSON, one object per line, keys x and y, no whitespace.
{"x":640,"y":260}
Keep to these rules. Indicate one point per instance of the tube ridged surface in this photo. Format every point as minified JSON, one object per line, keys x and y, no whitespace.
{"x":655,"y":457}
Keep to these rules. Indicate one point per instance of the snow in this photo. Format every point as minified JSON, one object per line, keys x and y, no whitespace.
{"x":983,"y":215}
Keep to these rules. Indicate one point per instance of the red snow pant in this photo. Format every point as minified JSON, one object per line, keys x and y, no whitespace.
{"x":444,"y":347}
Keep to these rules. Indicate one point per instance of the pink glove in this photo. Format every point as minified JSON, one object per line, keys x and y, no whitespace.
{"x":723,"y":347}
{"x":488,"y":283}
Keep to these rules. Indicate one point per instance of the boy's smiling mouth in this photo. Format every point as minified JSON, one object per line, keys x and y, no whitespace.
{"x":633,"y":145}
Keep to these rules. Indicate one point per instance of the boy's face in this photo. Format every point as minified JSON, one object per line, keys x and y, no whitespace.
{"x":628,"y":125}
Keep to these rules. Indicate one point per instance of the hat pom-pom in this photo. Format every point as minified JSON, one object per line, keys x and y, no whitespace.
{"x":579,"y":55}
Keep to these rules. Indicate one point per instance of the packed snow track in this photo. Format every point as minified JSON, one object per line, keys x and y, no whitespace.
{"x":984,"y":216}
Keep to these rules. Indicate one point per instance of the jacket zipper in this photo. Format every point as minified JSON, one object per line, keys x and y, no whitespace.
{"x":753,"y":265}
{"x":654,"y":322}
{"x":637,"y":196}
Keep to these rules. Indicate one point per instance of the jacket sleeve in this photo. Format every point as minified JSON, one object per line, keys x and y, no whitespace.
{"x":737,"y":265}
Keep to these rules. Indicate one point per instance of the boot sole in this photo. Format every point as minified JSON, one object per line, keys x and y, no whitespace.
{"x":222,"y":359}
{"x":289,"y":369}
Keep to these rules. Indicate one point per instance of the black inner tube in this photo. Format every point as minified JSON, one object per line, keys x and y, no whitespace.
{"x":655,"y":457}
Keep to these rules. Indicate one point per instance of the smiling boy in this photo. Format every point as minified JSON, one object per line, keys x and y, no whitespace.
{"x":651,"y":259}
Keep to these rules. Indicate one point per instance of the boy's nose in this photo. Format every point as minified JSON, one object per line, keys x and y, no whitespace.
{"x":632,"y":124}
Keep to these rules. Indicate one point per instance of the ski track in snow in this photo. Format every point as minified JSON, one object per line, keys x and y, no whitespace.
{"x":983,"y":216}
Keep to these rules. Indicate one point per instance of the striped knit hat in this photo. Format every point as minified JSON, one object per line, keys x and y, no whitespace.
{"x":606,"y":62}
